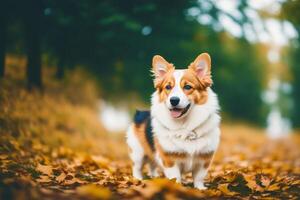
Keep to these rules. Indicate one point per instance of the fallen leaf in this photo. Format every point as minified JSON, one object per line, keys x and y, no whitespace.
{"x":94,"y":191}
{"x":73,"y":181}
{"x":45,"y":169}
{"x":3,"y":157}
{"x":265,"y":181}
{"x":43,"y":179}
{"x":273,"y":187}
{"x":100,"y":160}
{"x":224,"y":189}
{"x":251,"y":183}
{"x":61,"y":177}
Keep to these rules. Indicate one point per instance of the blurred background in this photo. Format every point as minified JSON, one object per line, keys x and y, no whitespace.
{"x":254,"y":47}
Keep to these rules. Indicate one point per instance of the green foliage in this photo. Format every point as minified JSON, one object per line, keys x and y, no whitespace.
{"x":116,"y":40}
{"x":290,"y":12}
{"x":295,"y":70}
{"x":238,"y":80}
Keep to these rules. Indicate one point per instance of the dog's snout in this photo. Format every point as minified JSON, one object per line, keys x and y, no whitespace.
{"x":174,"y":101}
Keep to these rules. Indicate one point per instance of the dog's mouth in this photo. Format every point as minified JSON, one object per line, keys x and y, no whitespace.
{"x":178,"y":112}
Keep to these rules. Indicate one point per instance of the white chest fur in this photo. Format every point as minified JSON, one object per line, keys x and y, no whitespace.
{"x":197,"y":133}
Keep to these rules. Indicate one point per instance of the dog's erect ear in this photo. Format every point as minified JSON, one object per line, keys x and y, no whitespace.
{"x":202,"y":67}
{"x":160,"y":66}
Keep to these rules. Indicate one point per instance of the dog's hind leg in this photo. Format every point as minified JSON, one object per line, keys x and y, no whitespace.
{"x":153,"y":171}
{"x":137,"y":154}
{"x":138,"y":163}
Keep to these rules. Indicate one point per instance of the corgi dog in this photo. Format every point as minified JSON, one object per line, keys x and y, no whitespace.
{"x":181,"y":133}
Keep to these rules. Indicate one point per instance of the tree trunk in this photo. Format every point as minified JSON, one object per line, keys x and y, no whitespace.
{"x":62,"y":53}
{"x":33,"y":42}
{"x":61,"y":64}
{"x":2,"y":44}
{"x":34,"y":69}
{"x":60,"y":72}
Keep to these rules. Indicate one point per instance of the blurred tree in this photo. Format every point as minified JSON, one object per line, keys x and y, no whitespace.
{"x":23,"y":19}
{"x":116,"y":40}
{"x":3,"y":25}
{"x":2,"y":49}
{"x":291,"y":12}
{"x":237,"y":73}
{"x":33,"y":17}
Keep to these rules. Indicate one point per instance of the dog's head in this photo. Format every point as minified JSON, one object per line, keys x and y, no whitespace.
{"x":180,"y":90}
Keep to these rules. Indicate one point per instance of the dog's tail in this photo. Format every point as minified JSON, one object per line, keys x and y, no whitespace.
{"x":141,"y":116}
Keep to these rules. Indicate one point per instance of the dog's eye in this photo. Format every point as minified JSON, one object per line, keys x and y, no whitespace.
{"x":187,"y":87}
{"x":168,"y":87}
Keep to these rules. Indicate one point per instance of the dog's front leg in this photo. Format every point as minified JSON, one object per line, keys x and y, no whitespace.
{"x":173,"y":172}
{"x":199,"y":173}
{"x":200,"y":168}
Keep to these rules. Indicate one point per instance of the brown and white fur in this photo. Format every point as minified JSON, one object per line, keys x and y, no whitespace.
{"x":184,"y":120}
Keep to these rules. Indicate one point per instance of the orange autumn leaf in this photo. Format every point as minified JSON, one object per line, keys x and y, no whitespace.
{"x":44,"y":169}
{"x":273,"y":187}
{"x":43,"y":179}
{"x":94,"y":191}
{"x":224,"y":189}
{"x":251,"y":183}
{"x":61,"y":177}
{"x":265,"y":181}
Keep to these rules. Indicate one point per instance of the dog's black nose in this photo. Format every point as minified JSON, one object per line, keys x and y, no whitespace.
{"x":174,"y":101}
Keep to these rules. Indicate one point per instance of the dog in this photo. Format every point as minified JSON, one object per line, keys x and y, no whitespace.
{"x":181,"y":132}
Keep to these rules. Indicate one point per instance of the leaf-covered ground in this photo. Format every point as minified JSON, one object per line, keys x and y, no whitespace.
{"x":52,"y":146}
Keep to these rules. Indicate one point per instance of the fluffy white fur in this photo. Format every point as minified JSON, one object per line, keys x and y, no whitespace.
{"x":195,"y":132}
{"x":198,"y":132}
{"x":137,"y":153}
{"x":177,"y":91}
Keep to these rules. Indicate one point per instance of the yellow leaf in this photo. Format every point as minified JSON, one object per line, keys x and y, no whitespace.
{"x":94,"y":191}
{"x":273,"y":187}
{"x":61,"y":177}
{"x":251,"y":183}
{"x":156,"y":185}
{"x":3,"y":157}
{"x":296,"y":182}
{"x":45,"y":169}
{"x":224,"y":188}
{"x":100,"y":160}
{"x":72,"y":181}
{"x":43,"y":179}
{"x":265,"y":181}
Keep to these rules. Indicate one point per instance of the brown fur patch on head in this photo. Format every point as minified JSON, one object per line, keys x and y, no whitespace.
{"x":198,"y":93}
{"x":163,"y":76}
{"x":198,"y":76}
{"x":161,"y":86}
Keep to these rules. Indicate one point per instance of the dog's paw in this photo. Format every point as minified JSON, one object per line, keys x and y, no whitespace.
{"x":153,"y":173}
{"x":200,"y":186}
{"x":138,"y":176}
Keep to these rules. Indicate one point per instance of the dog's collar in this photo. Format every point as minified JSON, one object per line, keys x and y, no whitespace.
{"x":192,"y":134}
